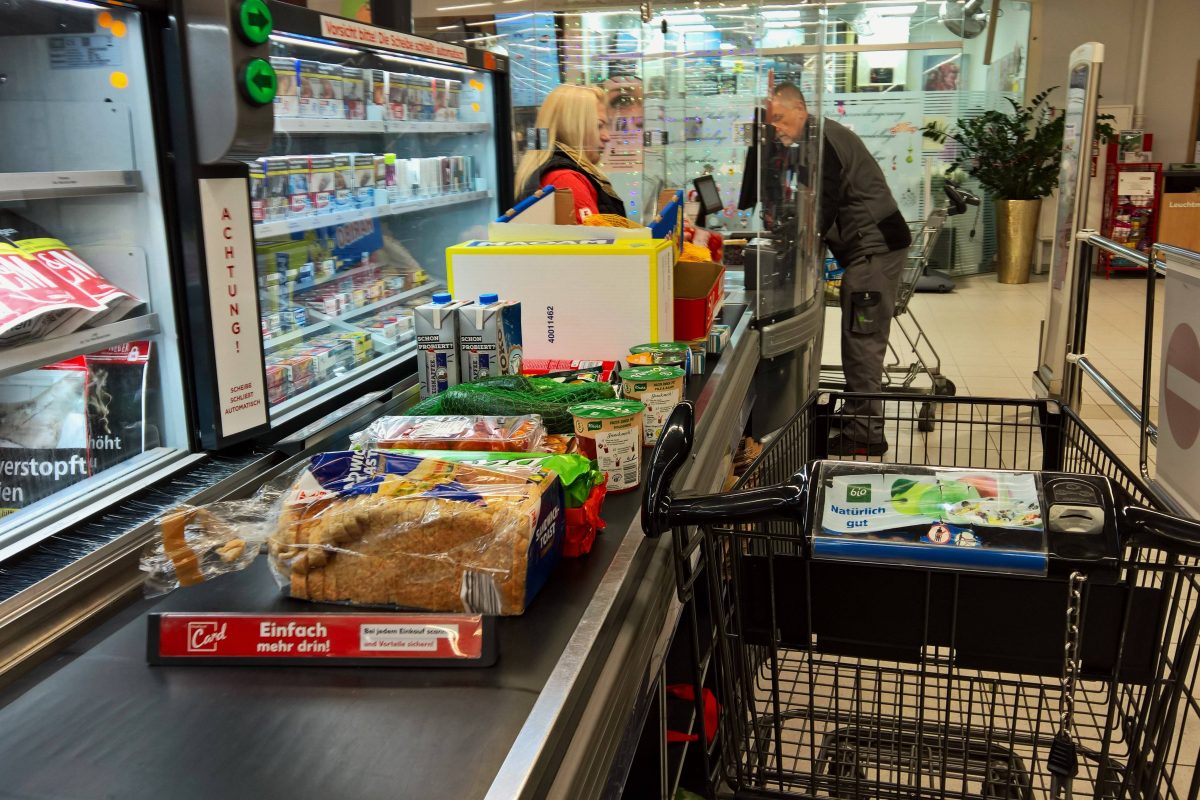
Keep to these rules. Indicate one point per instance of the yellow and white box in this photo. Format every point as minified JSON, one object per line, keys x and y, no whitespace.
{"x":580,"y":298}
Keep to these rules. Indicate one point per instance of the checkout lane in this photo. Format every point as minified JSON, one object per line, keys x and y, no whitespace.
{"x":96,"y":721}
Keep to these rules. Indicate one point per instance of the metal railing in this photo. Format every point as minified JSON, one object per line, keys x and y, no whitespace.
{"x":1081,"y":365}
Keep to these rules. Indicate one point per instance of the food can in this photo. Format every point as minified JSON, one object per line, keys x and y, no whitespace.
{"x":610,"y":431}
{"x":672,"y":354}
{"x":659,"y":388}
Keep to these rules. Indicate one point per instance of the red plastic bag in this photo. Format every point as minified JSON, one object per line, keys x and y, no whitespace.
{"x":583,"y":523}
{"x":684,"y":691}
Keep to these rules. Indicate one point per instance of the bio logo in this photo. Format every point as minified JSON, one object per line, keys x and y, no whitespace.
{"x":858,"y":493}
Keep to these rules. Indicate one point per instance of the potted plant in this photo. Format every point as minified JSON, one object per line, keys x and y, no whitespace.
{"x":1015,"y":156}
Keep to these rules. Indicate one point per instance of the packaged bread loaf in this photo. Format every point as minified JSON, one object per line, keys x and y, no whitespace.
{"x":370,"y":528}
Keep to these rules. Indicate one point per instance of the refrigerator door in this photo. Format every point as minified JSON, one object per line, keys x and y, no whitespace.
{"x":380,"y":161}
{"x":91,"y":394}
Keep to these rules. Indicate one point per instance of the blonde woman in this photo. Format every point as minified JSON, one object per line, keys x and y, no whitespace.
{"x":577,"y":120}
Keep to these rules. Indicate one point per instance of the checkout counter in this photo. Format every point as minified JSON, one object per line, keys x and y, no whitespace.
{"x":552,"y":718}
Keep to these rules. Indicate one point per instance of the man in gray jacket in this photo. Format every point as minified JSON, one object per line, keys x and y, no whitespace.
{"x":867,"y":234}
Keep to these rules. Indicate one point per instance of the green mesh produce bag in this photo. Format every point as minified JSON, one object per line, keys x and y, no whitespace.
{"x":509,"y":395}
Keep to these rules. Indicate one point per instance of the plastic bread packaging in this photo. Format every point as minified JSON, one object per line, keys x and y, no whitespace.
{"x":518,"y":434}
{"x":584,"y":488}
{"x":378,"y":529}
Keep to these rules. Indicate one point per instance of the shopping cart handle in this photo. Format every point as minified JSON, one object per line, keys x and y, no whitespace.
{"x":1171,"y":534}
{"x":670,"y":454}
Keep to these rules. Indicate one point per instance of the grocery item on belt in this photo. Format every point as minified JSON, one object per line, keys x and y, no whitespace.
{"x":660,"y":389}
{"x":67,"y":269}
{"x":610,"y":431}
{"x":673,"y":354}
{"x":436,"y":325}
{"x":489,"y":338}
{"x":567,"y":370}
{"x":521,"y":434}
{"x":379,"y":529}
{"x":513,"y":395}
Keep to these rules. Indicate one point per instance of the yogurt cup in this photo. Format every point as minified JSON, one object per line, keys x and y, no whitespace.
{"x":610,"y":431}
{"x":659,"y":388}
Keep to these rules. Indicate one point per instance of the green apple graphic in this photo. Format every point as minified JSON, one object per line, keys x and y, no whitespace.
{"x":929,"y":499}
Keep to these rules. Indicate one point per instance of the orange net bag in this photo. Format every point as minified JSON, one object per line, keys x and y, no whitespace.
{"x":695,"y":252}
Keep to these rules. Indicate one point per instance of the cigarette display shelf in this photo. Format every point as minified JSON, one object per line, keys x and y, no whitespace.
{"x":76,"y":183}
{"x":22,"y":358}
{"x":312,"y":126}
{"x":344,"y":321}
{"x":267,"y":230}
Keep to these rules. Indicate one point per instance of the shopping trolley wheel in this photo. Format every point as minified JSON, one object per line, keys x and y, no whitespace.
{"x":925,"y":418}
{"x":944,"y":387}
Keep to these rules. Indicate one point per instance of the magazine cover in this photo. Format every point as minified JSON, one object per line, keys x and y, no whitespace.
{"x":959,"y":519}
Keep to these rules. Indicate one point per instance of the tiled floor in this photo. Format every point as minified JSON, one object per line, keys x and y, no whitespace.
{"x":986,"y":334}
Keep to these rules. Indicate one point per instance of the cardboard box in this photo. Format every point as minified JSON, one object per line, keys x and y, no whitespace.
{"x":591,"y":298}
{"x":699,"y":294}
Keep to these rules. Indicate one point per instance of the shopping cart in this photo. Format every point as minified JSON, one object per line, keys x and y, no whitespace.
{"x":900,"y":375}
{"x":846,"y":676}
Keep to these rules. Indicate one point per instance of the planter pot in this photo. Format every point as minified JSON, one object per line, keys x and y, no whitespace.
{"x":1016,"y":234}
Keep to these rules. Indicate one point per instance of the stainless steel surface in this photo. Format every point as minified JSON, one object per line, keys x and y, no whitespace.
{"x":81,"y":183}
{"x":89,"y":340}
{"x":568,"y":744}
{"x":33,"y":622}
{"x":1096,"y":240}
{"x":787,"y":335}
{"x":225,"y":124}
{"x":1126,"y":405}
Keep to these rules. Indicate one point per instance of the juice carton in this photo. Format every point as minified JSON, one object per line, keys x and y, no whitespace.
{"x":489,"y":338}
{"x":437,"y":343}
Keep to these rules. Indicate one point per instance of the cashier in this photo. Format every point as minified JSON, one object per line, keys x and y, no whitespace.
{"x":867,"y":234}
{"x":576,"y":118}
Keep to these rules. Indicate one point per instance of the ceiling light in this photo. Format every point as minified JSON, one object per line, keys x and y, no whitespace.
{"x":685,"y":19}
{"x":464,"y":6}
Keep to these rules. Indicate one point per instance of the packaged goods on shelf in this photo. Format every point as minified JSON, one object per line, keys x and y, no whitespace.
{"x":310,"y":97}
{"x":354,"y":93}
{"x":344,"y":181}
{"x":364,"y":179}
{"x":299,"y":201}
{"x":521,"y":434}
{"x":379,"y":529}
{"x":46,"y":289}
{"x":321,"y":183}
{"x":329,"y":91}
{"x":287,"y":87}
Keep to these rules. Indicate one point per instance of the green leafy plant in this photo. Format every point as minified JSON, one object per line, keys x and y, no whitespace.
{"x":1015,"y":156}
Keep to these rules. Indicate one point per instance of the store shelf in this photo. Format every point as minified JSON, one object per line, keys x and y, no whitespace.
{"x":337,"y":276}
{"x":297,"y":125}
{"x":44,"y":185}
{"x":266,"y":230}
{"x":306,"y":125}
{"x":423,"y":126}
{"x":321,"y":322}
{"x":14,"y":360}
{"x":296,"y":406}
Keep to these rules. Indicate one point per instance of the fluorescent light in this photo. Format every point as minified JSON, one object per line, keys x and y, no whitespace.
{"x":304,"y":41}
{"x":464,"y":6}
{"x":423,"y":63}
{"x":685,"y":19}
{"x":771,"y":14}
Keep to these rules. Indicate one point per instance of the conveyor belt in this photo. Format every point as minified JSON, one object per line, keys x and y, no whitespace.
{"x":96,"y":721}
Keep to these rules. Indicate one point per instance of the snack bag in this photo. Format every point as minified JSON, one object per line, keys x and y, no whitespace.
{"x":519,"y":434}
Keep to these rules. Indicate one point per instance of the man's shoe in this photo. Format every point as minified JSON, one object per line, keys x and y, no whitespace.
{"x":841,"y":445}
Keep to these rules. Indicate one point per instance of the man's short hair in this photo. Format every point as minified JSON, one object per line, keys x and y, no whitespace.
{"x":790,"y":92}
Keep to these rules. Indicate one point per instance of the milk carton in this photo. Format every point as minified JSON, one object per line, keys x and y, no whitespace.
{"x":437,"y":343}
{"x":489,"y":338}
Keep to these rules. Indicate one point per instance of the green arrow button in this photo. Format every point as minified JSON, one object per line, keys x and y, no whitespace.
{"x":255,"y":21}
{"x":258,"y":81}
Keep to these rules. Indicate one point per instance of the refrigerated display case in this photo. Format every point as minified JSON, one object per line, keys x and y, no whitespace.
{"x":380,"y":159}
{"x":92,"y":395}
